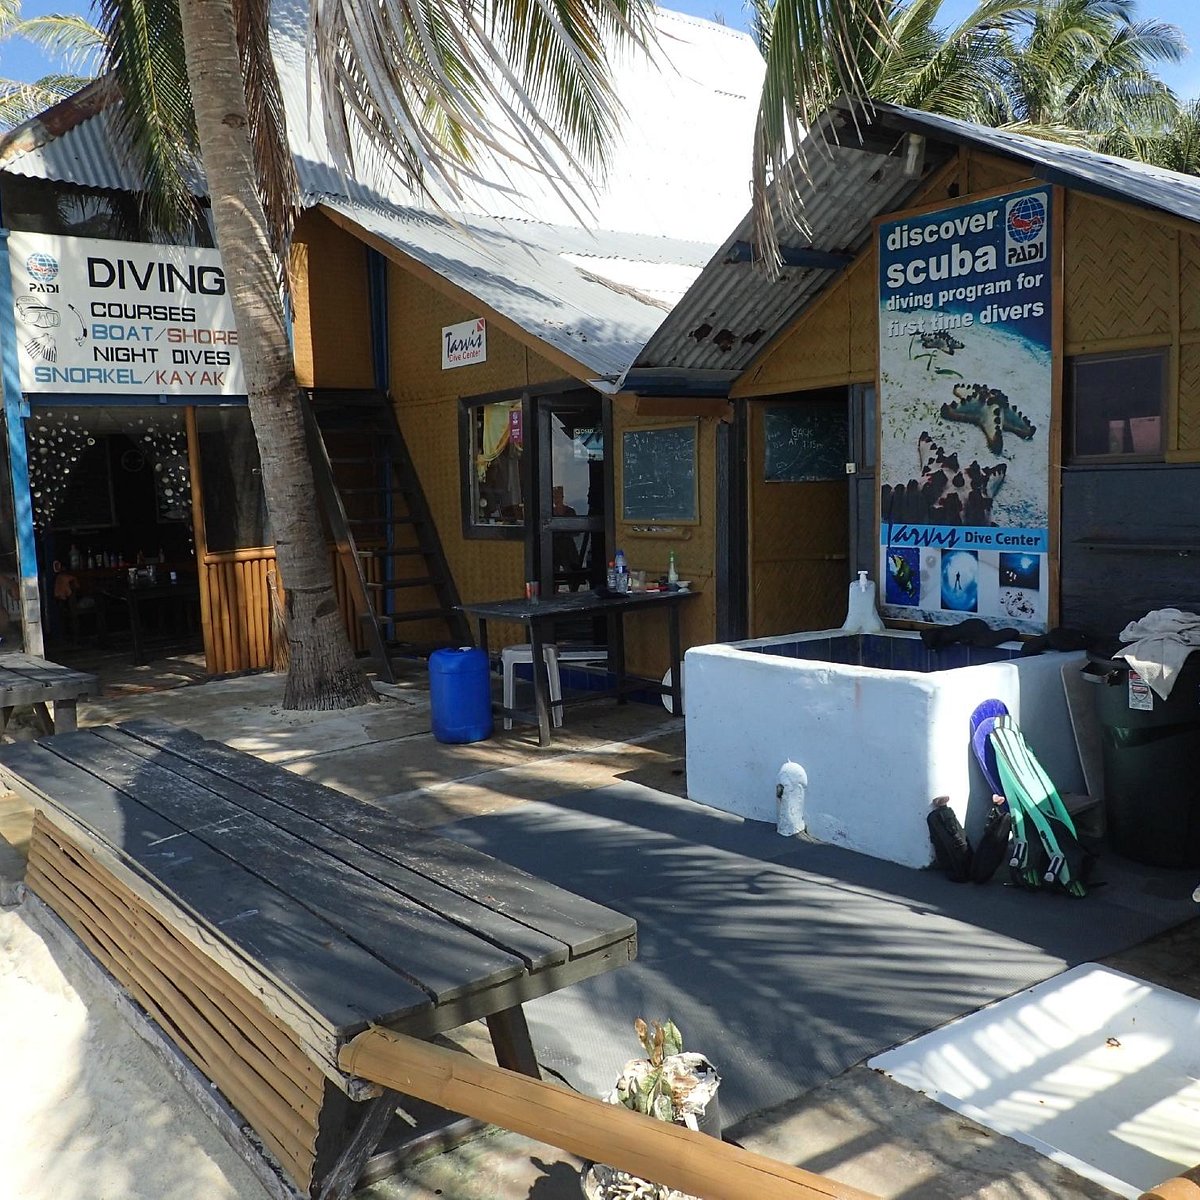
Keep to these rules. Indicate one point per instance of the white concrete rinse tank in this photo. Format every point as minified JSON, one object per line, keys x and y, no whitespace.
{"x":879,"y":722}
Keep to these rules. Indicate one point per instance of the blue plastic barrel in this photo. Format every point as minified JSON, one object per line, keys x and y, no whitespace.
{"x":460,"y":695}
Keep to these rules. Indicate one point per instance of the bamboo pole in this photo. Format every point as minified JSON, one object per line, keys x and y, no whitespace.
{"x":669,"y":1154}
{"x":1182,"y":1187}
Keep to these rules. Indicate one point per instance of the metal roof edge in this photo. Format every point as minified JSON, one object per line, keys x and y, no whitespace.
{"x":60,"y":118}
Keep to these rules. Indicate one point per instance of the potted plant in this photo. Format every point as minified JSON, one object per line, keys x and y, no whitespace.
{"x":670,"y":1084}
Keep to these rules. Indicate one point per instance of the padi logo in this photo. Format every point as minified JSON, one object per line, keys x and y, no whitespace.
{"x":42,"y":267}
{"x":1025,"y":230}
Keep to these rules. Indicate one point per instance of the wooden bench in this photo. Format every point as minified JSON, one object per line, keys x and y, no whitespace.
{"x":264,"y":921}
{"x":25,"y":679}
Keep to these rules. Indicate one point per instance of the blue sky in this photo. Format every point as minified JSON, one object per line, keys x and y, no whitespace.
{"x":18,"y":62}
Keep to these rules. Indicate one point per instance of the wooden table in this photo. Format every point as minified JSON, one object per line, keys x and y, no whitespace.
{"x":183,"y":597}
{"x":264,"y":921}
{"x":25,"y":679}
{"x":538,"y":616}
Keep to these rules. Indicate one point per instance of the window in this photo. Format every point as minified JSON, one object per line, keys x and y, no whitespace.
{"x":493,"y":485}
{"x":235,"y":510}
{"x":1118,"y":406}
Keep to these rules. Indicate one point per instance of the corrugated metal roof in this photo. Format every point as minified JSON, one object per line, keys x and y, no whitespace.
{"x":527,"y":272}
{"x":733,"y":310}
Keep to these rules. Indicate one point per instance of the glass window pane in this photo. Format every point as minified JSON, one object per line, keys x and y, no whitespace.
{"x":1118,"y":405}
{"x":577,"y":464}
{"x":235,"y":511}
{"x":497,"y":442}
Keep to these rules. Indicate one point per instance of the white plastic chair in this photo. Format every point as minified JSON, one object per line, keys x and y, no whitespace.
{"x":510,"y":656}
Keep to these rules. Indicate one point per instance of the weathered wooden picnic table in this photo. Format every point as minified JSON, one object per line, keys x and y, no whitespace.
{"x":25,"y":679}
{"x":263,"y":921}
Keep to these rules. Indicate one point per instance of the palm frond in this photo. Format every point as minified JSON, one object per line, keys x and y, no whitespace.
{"x":75,"y":40}
{"x":278,"y":185}
{"x":21,"y":102}
{"x":154,"y":123}
{"x":430,"y":86}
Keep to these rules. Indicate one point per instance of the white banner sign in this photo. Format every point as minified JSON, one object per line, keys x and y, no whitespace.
{"x":464,"y":344}
{"x":122,"y":317}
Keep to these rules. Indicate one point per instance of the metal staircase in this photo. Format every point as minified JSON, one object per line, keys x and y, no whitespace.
{"x":377,"y":515}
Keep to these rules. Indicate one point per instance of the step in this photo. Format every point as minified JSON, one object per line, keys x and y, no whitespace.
{"x":392,"y":584}
{"x":421,"y":614}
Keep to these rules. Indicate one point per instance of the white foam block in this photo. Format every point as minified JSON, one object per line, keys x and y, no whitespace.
{"x":1093,"y":1068}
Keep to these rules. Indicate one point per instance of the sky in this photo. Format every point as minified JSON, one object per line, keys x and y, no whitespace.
{"x":20,"y":62}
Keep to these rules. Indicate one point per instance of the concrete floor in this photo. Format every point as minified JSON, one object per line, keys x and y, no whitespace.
{"x":860,"y":1128}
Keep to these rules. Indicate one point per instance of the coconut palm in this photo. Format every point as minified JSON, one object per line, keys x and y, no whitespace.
{"x":1079,"y":71}
{"x":420,"y":86}
{"x":1083,"y":71}
{"x":70,"y":38}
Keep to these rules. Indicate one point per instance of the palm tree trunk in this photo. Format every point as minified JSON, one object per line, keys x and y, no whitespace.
{"x":323,"y":672}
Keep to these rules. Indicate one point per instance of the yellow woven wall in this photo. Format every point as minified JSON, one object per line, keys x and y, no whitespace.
{"x":985,"y":171}
{"x":646,"y":650}
{"x":1118,"y":278}
{"x":426,"y":399}
{"x":332,"y":328}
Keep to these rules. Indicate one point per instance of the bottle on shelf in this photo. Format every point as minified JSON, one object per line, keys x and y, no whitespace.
{"x":672,"y":569}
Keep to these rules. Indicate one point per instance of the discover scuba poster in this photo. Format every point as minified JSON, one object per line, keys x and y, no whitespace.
{"x":965,"y":391}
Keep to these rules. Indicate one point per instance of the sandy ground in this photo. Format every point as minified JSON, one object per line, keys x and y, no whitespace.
{"x":89,"y":1111}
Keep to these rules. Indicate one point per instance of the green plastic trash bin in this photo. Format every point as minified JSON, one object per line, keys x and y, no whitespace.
{"x":1151,"y":757}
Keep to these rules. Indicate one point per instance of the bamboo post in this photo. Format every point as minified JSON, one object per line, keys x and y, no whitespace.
{"x":669,"y":1154}
{"x":1182,"y":1187}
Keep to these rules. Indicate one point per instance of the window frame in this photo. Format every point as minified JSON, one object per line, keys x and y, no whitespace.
{"x":1161,"y":352}
{"x":472,"y":530}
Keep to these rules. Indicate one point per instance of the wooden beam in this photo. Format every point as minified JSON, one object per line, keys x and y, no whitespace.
{"x":691,"y":1162}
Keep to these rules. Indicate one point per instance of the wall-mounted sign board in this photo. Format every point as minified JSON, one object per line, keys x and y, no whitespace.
{"x":806,"y":442}
{"x":658,"y":474}
{"x":464,"y":344}
{"x":132,"y":318}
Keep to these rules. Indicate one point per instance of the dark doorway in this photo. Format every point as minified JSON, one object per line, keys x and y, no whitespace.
{"x":567,"y":529}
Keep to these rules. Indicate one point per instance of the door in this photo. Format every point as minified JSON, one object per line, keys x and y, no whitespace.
{"x":861,"y":476}
{"x":571,"y":493}
{"x":798,"y":511}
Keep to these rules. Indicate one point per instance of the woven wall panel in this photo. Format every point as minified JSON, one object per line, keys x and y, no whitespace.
{"x":789,"y":597}
{"x":817,"y":347}
{"x":646,"y":652}
{"x":862,"y":281}
{"x":333,"y":319}
{"x":1189,"y":397}
{"x":984,"y":172}
{"x":1118,"y":274}
{"x":1189,"y":282}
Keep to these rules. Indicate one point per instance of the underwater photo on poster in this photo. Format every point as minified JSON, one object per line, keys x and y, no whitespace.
{"x":965,"y":395}
{"x":903,"y":578}
{"x":960,"y":581}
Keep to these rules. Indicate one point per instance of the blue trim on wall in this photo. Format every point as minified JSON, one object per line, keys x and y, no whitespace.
{"x":15,"y":414}
{"x":377,"y":300}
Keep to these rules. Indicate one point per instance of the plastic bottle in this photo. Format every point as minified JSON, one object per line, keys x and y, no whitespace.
{"x":74,"y":558}
{"x":672,"y":570}
{"x":622,"y":572}
{"x":612,"y":576}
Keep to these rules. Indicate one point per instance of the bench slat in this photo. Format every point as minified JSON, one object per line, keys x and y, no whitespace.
{"x":536,"y":949}
{"x":581,"y":924}
{"x":439,"y":957}
{"x":343,"y":984}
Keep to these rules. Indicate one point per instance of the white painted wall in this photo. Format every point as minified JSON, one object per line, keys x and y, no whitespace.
{"x":877,"y":745}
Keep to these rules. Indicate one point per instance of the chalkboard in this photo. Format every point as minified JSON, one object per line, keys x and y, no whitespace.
{"x":658,"y":470}
{"x":806,"y":442}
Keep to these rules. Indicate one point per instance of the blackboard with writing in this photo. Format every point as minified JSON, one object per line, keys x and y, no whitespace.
{"x":806,"y":442}
{"x":658,"y":470}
